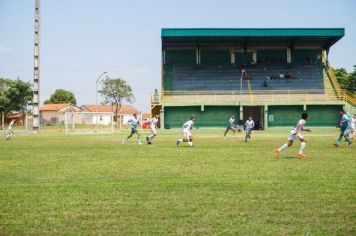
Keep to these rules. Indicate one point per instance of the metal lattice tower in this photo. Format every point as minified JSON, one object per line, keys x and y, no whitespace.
{"x":36,"y":69}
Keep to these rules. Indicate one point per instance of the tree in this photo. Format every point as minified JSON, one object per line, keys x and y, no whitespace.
{"x":115,"y":92}
{"x":19,"y":94}
{"x":352,"y":81}
{"x":342,"y":77}
{"x":346,"y":80}
{"x":4,"y":101}
{"x":61,"y":96}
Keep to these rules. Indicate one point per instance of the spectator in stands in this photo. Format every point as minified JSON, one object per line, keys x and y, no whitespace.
{"x":308,"y":61}
{"x":281,"y":75}
{"x":265,"y":84}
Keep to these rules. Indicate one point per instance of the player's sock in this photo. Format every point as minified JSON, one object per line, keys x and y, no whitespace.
{"x":348,"y":140}
{"x":190,"y":143}
{"x":180,"y":140}
{"x":302,"y":146}
{"x":338,"y":141}
{"x":285,"y":146}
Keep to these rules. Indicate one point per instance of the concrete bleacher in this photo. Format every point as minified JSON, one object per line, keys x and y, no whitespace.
{"x":227,"y":77}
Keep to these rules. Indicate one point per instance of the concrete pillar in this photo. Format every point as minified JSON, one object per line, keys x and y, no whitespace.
{"x":289,"y":55}
{"x":241,"y":113}
{"x":202,"y":107}
{"x":162,"y":118}
{"x":197,"y":56}
{"x":232,"y":57}
{"x":254,"y":56}
{"x":304,"y":107}
{"x":164,"y":57}
{"x":265,"y":122}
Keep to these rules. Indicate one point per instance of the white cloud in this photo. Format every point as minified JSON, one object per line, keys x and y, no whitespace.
{"x":5,"y":50}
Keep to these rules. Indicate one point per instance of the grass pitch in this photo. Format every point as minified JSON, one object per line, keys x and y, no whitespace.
{"x":93,"y":184}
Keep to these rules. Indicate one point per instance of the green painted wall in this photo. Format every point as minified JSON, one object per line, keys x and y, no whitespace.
{"x":299,"y":56}
{"x":272,"y":54}
{"x":323,"y":115}
{"x":283,"y":115}
{"x":215,"y":57}
{"x":212,"y":116}
{"x":180,"y":57}
{"x":167,"y":77}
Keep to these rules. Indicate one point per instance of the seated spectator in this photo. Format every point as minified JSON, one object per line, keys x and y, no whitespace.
{"x":265,"y":84}
{"x":281,"y":75}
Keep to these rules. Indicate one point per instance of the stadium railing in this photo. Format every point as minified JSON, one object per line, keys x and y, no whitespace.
{"x":271,"y":96}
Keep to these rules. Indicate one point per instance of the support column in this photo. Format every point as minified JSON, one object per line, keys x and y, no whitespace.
{"x":289,"y":55}
{"x":304,"y":107}
{"x":36,"y":70}
{"x":232,"y":57}
{"x":254,"y":56}
{"x":197,"y":56}
{"x":266,"y":117}
{"x":161,"y":116}
{"x":202,"y":107}
{"x":241,"y":118}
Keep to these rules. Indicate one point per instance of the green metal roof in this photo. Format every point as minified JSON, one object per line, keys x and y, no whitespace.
{"x":253,"y":32}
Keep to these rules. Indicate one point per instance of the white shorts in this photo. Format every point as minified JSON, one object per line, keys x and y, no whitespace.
{"x":153,"y":131}
{"x":293,"y":136}
{"x":186,"y":133}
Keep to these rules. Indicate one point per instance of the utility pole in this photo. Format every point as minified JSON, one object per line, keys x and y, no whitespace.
{"x":36,"y":70}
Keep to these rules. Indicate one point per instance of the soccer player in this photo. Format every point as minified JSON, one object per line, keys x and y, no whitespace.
{"x":231,"y":126}
{"x":296,"y":133}
{"x":345,"y":128}
{"x":133,"y":124}
{"x":353,"y":126}
{"x":249,"y":127}
{"x":153,"y":127}
{"x":187,"y":136}
{"x":10,"y":130}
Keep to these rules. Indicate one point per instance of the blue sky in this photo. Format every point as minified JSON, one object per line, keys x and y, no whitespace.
{"x":82,"y":38}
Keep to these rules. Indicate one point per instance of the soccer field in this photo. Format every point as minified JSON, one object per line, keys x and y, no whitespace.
{"x":93,"y":184}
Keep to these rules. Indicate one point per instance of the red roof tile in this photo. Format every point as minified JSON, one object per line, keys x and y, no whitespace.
{"x":125,"y":109}
{"x":53,"y":107}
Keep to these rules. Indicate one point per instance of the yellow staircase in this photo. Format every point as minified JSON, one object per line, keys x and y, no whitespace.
{"x":342,"y":94}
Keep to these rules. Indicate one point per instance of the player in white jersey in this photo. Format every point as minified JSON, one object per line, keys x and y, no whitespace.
{"x":353,"y":126}
{"x":187,"y":135}
{"x":345,"y":128}
{"x":249,"y":125}
{"x":296,"y":133}
{"x":153,"y":128}
{"x":10,"y":129}
{"x":133,"y":124}
{"x":231,"y":126}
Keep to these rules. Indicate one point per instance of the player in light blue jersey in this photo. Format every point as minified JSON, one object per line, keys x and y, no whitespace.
{"x":345,"y":128}
{"x":134,"y":122}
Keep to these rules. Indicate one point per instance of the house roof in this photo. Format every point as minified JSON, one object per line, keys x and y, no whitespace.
{"x":125,"y":109}
{"x":54,"y":107}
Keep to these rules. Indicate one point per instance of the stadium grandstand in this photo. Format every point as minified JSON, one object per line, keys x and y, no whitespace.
{"x":270,"y":74}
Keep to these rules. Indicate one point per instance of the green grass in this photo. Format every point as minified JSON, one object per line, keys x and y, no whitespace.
{"x":93,"y":184}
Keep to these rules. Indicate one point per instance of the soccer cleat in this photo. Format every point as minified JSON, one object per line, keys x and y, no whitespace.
{"x":139,"y":143}
{"x":301,"y":155}
{"x":178,"y":142}
{"x":336,"y":145}
{"x":277,"y":153}
{"x":148,"y":140}
{"x":350,"y":145}
{"x":123,"y":141}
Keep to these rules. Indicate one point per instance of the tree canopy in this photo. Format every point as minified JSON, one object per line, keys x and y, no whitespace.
{"x":115,"y":92}
{"x":14,"y":95}
{"x":61,"y":96}
{"x":346,"y":80}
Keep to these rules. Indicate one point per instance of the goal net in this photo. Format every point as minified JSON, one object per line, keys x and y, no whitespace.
{"x":89,"y":122}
